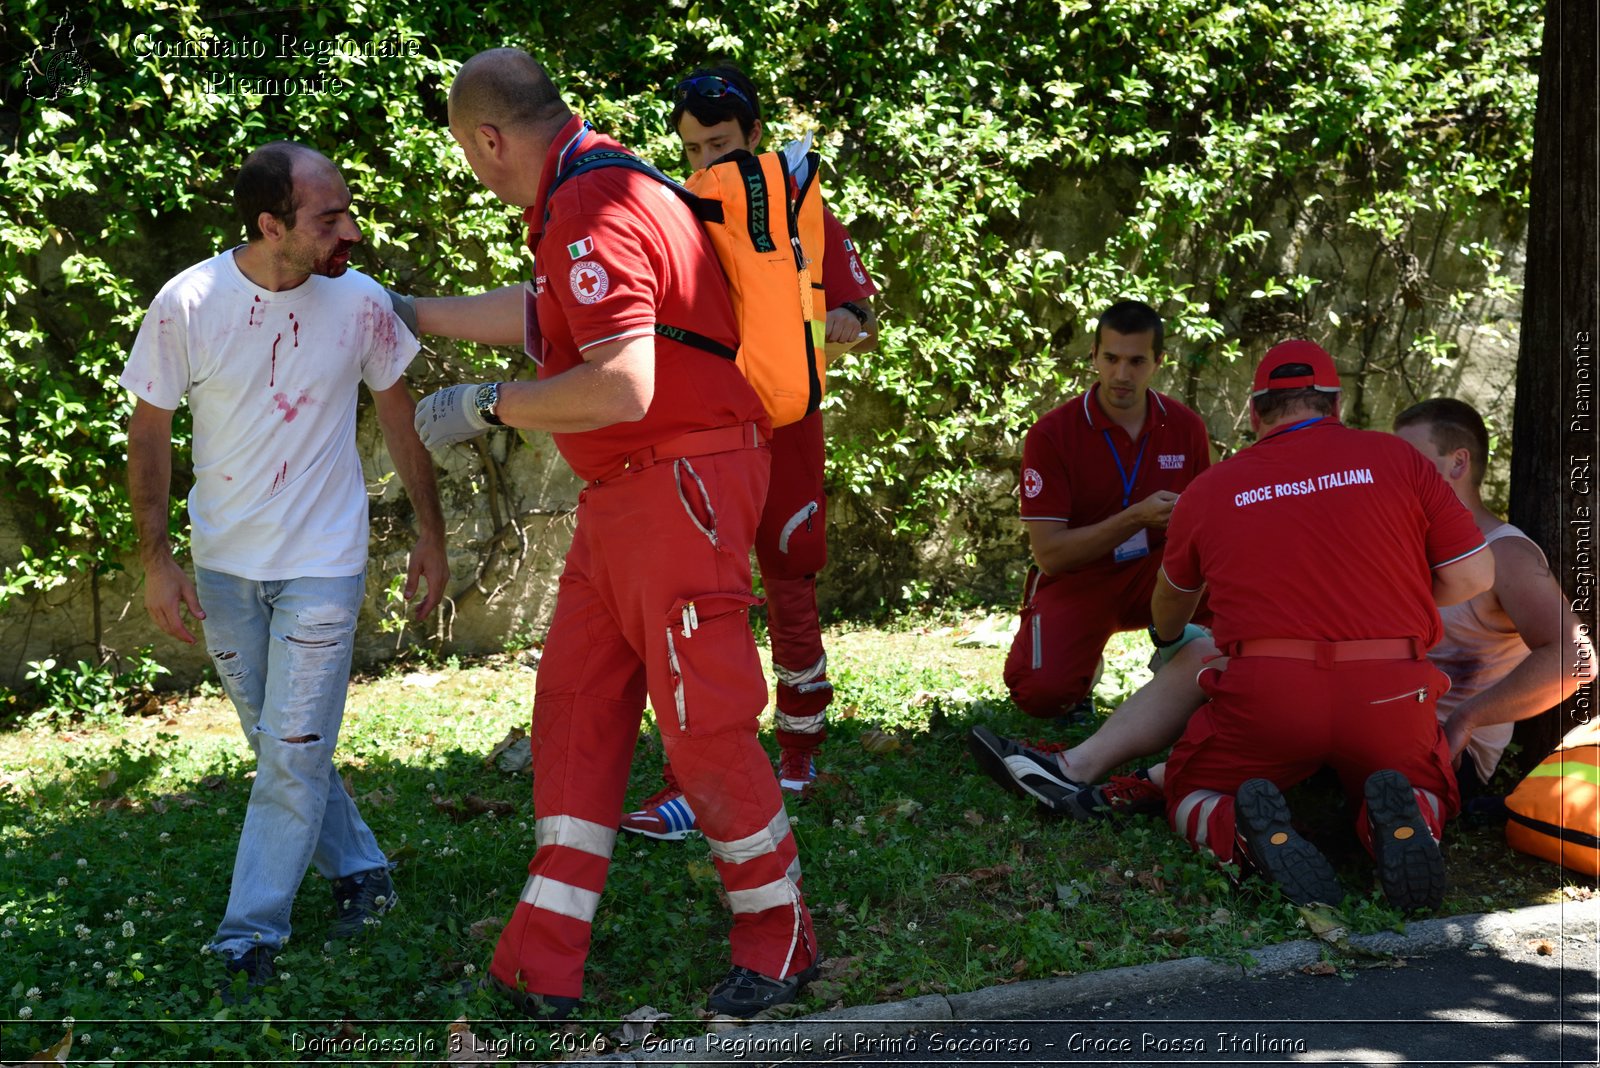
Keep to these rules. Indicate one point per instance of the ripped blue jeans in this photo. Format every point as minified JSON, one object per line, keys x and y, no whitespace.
{"x":283,"y":650}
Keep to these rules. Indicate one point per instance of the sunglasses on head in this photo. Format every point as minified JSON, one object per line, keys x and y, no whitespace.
{"x":711,"y":87}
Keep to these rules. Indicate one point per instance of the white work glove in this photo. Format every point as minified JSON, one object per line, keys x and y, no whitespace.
{"x":449,"y":416}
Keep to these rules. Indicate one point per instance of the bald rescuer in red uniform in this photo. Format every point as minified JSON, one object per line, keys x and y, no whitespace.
{"x":1323,"y":552}
{"x":653,"y":601}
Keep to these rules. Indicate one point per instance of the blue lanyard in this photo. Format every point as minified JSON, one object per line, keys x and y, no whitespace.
{"x":1301,"y":425}
{"x":1122,"y":472}
{"x":572,"y":146}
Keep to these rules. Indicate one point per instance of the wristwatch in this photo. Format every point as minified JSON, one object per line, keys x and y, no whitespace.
{"x":485,"y":400}
{"x":855,"y":309}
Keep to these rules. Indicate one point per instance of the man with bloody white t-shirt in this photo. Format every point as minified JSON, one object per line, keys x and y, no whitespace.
{"x":270,"y":343}
{"x":1100,"y":475}
{"x":672,"y":443}
{"x":1323,"y":553}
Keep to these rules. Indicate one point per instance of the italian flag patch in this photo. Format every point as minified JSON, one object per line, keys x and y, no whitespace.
{"x":581,"y":247}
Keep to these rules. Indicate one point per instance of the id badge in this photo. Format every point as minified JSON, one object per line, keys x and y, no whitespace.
{"x":532,"y":340}
{"x":1134,"y":547}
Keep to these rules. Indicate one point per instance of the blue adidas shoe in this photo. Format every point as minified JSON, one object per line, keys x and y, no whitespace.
{"x":666,"y":816}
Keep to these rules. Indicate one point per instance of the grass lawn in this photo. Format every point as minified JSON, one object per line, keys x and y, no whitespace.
{"x":922,"y":875}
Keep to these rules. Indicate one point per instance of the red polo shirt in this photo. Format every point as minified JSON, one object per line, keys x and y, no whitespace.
{"x":1070,"y":459}
{"x":843,"y":276}
{"x":621,"y":253}
{"x":1323,"y":533}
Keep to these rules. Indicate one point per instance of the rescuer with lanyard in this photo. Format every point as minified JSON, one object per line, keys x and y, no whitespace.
{"x":672,"y":443}
{"x":1323,"y":552}
{"x":1100,"y":475}
{"x":715,"y":112}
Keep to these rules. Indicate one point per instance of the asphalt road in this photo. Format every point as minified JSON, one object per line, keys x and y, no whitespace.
{"x":1475,"y":1005}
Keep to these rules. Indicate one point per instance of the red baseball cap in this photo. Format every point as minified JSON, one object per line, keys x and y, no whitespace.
{"x":1323,"y":377}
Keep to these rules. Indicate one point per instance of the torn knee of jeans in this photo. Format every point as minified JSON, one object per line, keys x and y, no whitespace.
{"x":304,"y":739}
{"x":226,"y":654}
{"x":312,"y":643}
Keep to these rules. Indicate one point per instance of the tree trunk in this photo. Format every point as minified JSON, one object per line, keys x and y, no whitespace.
{"x":1553,"y":461}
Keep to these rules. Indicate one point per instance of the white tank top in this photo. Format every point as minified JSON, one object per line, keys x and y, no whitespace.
{"x":1480,"y":647}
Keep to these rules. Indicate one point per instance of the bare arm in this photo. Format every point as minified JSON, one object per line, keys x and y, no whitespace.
{"x":1463,"y":579}
{"x":415,"y":468}
{"x":167,"y":587}
{"x":1058,"y":547}
{"x":492,"y":318}
{"x":614,"y":384}
{"x":1171,"y":608}
{"x":1560,"y":655}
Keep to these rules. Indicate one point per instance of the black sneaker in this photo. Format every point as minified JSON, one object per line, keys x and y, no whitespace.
{"x":534,"y":1006}
{"x":1022,"y":769}
{"x":1410,"y":866}
{"x":255,"y":964}
{"x":1275,"y":848}
{"x":360,"y":900}
{"x":743,"y":992}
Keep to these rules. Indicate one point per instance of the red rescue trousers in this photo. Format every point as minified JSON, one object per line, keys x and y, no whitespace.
{"x":1066,"y":622}
{"x":791,"y":547}
{"x":1283,"y":719}
{"x":654,"y":601}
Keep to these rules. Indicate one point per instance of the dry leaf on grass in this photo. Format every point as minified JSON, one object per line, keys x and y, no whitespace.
{"x":973,"y":818}
{"x":520,"y":755}
{"x":874,"y":740}
{"x":1543,"y":947}
{"x":56,"y":1054}
{"x":638,"y":1025}
{"x":1321,"y":967}
{"x":467,"y":1048}
{"x":487,"y":928}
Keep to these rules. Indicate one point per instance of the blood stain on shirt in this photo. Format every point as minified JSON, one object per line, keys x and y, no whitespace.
{"x":272,"y":378}
{"x":280,"y":480}
{"x":296,"y":325}
{"x":290,"y":410}
{"x":253,"y":313}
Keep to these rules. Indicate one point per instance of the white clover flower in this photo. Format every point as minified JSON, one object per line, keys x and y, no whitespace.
{"x":6,"y":933}
{"x":109,"y":917}
{"x":165,"y":836}
{"x":221,"y":811}
{"x":25,"y":1013}
{"x":180,"y":900}
{"x":127,"y":929}
{"x":34,"y":993}
{"x":116,"y":1051}
{"x":110,"y":945}
{"x":133,"y":902}
{"x":99,"y":967}
{"x":67,"y":1021}
{"x":62,"y":881}
{"x":83,"y":862}
{"x":10,"y":853}
{"x":11,"y":921}
{"x":468,"y":969}
{"x":911,"y":925}
{"x":123,"y":836}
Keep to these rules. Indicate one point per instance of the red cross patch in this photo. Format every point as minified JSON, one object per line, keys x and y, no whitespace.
{"x":589,"y":281}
